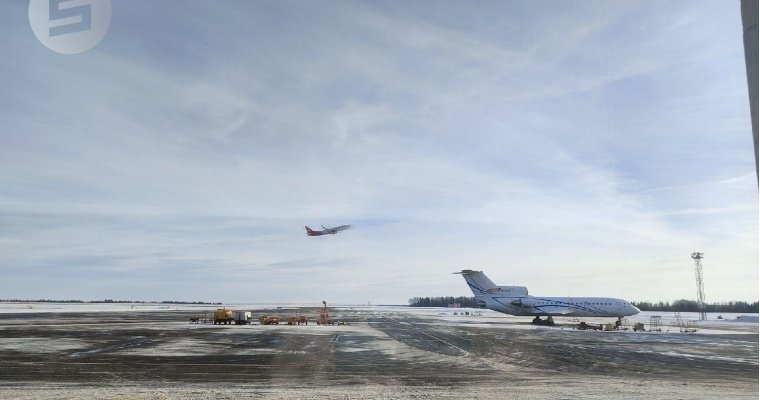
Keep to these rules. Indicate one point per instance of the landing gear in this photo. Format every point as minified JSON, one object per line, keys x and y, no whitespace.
{"x":549,"y":321}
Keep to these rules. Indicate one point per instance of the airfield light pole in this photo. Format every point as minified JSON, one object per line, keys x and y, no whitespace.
{"x":697,"y":257}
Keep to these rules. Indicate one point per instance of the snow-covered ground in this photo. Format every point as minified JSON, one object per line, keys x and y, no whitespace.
{"x":728,"y":323}
{"x":151,"y":351}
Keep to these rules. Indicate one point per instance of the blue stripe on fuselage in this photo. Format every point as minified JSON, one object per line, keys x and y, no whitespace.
{"x":476,"y":288}
{"x":553,"y":303}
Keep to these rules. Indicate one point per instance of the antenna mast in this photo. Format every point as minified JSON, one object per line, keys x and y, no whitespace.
{"x":697,"y":257}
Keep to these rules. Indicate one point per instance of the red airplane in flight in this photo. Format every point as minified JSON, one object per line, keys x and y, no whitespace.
{"x":326,"y":231}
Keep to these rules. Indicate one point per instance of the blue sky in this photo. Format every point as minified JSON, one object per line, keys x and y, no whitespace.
{"x":577,"y":148}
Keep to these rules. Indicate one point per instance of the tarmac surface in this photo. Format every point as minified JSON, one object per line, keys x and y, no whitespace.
{"x":388,"y":353}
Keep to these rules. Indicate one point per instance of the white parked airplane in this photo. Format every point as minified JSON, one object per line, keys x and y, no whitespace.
{"x":515,"y":300}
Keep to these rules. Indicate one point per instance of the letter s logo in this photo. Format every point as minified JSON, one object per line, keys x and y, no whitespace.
{"x":57,"y":13}
{"x":70,"y":26}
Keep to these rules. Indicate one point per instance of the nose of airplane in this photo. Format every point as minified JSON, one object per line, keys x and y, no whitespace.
{"x":634,"y":309}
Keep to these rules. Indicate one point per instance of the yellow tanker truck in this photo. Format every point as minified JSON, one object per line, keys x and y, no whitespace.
{"x":223,"y":316}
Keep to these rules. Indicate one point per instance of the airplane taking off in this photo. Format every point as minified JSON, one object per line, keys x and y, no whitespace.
{"x":514,"y":300}
{"x":326,"y":231}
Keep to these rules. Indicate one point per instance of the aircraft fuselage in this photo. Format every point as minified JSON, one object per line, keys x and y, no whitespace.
{"x":326,"y":231}
{"x":515,"y":300}
{"x":558,"y":306}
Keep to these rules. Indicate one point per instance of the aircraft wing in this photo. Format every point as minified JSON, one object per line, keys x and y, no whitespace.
{"x":336,"y":229}
{"x":555,"y":310}
{"x":326,"y":231}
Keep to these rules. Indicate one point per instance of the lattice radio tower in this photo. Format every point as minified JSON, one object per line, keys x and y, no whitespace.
{"x":700,"y":284}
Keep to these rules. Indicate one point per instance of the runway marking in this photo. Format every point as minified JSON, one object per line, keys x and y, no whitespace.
{"x":464,"y":352}
{"x":336,"y":338}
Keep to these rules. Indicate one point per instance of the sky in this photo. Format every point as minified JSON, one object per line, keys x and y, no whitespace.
{"x":579,"y":148}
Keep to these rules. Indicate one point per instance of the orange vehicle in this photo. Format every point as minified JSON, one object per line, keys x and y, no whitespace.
{"x":267,"y":320}
{"x":223,"y":316}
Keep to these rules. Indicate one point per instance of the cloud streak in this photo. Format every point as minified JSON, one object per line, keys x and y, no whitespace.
{"x":568,"y":148}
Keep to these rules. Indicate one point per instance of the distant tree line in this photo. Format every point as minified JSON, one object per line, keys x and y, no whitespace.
{"x":678,"y":305}
{"x":103,"y":301}
{"x":442,"y":301}
{"x":691,"y":306}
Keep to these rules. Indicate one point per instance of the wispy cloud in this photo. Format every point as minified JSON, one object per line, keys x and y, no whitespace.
{"x":565,"y":147}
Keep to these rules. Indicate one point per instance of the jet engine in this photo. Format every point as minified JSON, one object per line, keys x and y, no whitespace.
{"x":509,"y":291}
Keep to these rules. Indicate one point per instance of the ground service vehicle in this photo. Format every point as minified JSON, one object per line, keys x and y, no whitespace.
{"x":223,"y":316}
{"x":242,"y":317}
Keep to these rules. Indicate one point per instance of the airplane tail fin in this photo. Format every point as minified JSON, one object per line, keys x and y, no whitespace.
{"x":477,"y":280}
{"x":308,"y":230}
